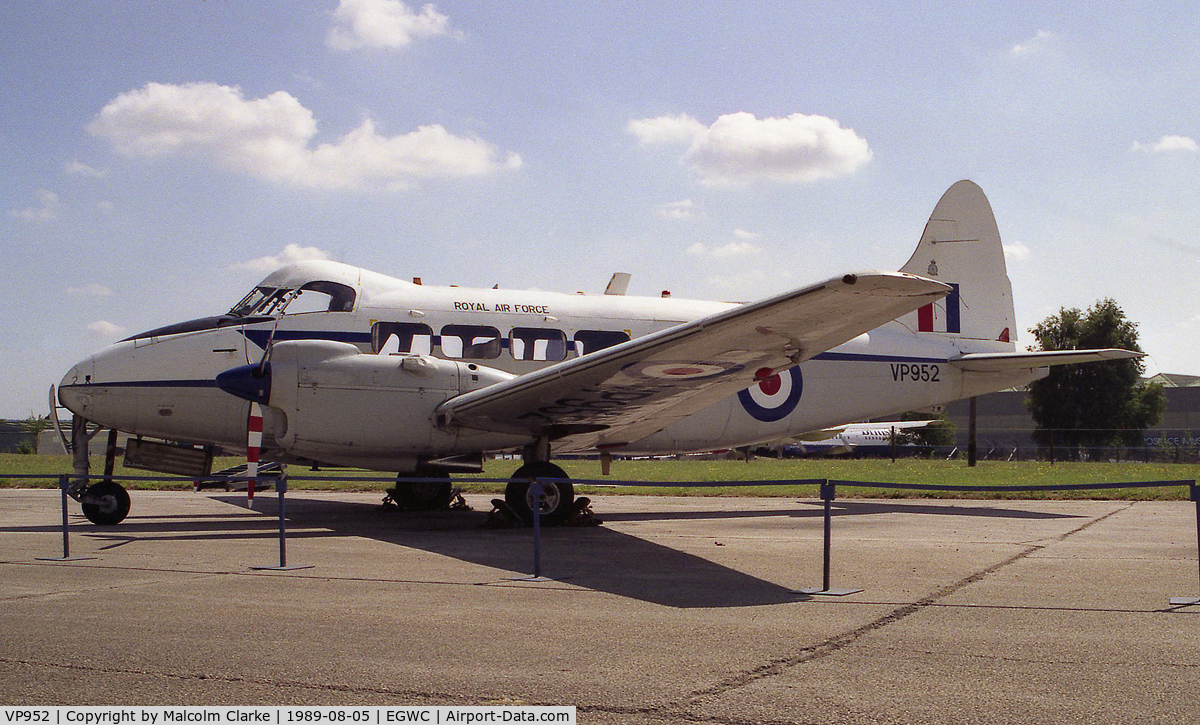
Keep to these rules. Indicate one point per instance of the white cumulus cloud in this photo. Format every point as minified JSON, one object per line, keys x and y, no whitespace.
{"x":1017,"y":251}
{"x":1166,"y":144}
{"x":666,"y":129}
{"x":91,"y":289}
{"x":724,"y":251}
{"x":78,"y":168}
{"x":45,"y":210}
{"x":291,"y":253}
{"x":383,"y":24}
{"x":744,"y":234}
{"x":104,"y":328}
{"x":1040,"y":40}
{"x":683,"y":209}
{"x":271,"y":138}
{"x":739,"y":147}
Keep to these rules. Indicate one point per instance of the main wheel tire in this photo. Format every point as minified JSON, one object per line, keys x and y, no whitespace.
{"x":427,"y":495}
{"x":556,"y":499}
{"x":113,"y":506}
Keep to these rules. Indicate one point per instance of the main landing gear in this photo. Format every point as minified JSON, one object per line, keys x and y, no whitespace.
{"x":557,"y":497}
{"x":432,"y":493}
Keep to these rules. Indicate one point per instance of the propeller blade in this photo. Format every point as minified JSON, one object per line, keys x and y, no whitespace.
{"x":254,"y":431}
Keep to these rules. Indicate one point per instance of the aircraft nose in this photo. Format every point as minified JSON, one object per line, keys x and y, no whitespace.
{"x":249,"y":382}
{"x":73,"y":392}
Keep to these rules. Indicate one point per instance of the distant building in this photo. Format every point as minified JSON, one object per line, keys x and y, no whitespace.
{"x":13,"y":439}
{"x":1004,"y":424}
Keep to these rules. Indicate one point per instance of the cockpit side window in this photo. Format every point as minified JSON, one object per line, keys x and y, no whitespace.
{"x":322,"y":297}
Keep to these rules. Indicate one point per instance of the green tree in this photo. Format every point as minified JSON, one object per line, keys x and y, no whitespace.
{"x":36,"y":425}
{"x":1093,"y":405}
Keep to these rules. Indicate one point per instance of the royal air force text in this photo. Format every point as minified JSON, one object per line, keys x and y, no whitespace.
{"x":501,"y":307}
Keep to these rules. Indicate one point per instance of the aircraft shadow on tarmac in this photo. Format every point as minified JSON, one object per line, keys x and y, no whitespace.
{"x":597,"y":558}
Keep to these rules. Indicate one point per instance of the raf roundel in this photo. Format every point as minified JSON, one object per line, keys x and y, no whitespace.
{"x":671,"y":371}
{"x":774,"y":396}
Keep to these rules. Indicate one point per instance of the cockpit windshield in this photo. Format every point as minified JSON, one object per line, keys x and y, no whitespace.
{"x":317,"y":296}
{"x":261,"y":301}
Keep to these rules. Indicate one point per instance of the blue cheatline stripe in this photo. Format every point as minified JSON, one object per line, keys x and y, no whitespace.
{"x":146,"y":384}
{"x":860,"y":357}
{"x":825,"y":356}
{"x":260,"y":337}
{"x":952,"y":318}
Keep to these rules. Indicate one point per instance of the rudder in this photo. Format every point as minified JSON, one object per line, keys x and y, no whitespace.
{"x":961,"y":247}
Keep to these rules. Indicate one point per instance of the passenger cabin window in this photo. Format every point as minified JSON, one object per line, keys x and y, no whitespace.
{"x":534,"y":343}
{"x":393,"y":337}
{"x":322,"y":297}
{"x":588,"y":341}
{"x":470,"y":342}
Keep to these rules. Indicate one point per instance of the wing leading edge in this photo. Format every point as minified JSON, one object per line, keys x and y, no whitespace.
{"x":624,"y":393}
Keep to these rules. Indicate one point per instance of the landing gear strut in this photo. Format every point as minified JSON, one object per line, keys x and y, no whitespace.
{"x":425,"y":495}
{"x":557,"y":497}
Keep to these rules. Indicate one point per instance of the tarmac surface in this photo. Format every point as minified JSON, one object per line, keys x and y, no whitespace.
{"x":675,"y":610}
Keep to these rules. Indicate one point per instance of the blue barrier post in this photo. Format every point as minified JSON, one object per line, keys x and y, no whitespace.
{"x":281,"y":489}
{"x":1194,"y":492}
{"x":536,"y":489}
{"x":828,"y":494}
{"x":64,"y":483}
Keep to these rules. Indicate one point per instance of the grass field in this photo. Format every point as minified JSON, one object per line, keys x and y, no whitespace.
{"x":915,"y":471}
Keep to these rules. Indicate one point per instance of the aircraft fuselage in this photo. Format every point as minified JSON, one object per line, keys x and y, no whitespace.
{"x":162,"y":384}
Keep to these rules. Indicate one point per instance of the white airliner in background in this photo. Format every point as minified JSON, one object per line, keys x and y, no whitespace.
{"x":355,"y":368}
{"x":846,"y":438}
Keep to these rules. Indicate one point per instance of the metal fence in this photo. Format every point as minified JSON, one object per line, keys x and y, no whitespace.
{"x":828,"y":493}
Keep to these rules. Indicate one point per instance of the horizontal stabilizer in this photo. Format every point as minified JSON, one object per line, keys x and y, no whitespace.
{"x":999,"y":362}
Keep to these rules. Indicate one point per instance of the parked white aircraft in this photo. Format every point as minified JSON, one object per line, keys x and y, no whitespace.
{"x":397,"y":376}
{"x":845,"y":438}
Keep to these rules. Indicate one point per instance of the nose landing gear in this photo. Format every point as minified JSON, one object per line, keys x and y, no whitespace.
{"x":105,"y":503}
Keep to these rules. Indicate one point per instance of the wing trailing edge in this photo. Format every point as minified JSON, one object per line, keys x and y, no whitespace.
{"x":1000,"y":362}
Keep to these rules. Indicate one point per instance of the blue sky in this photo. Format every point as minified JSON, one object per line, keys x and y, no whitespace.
{"x":159,"y":157}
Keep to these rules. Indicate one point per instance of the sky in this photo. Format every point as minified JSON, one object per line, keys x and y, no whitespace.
{"x":159,"y":159}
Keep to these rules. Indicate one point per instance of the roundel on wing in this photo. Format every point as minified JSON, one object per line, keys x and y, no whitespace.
{"x":655,"y":371}
{"x":774,"y":396}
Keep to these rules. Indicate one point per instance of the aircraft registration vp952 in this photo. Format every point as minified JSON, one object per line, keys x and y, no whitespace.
{"x":422,"y":380}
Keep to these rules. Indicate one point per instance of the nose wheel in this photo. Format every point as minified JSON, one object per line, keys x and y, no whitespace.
{"x":105,"y":503}
{"x":556,"y":497}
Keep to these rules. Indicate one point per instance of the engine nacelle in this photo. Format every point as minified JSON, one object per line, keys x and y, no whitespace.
{"x":329,"y":402}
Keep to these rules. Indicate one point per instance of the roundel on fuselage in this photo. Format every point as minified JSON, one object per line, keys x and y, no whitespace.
{"x":774,"y":396}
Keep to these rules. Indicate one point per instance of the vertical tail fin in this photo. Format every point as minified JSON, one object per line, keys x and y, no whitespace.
{"x":961,"y":247}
